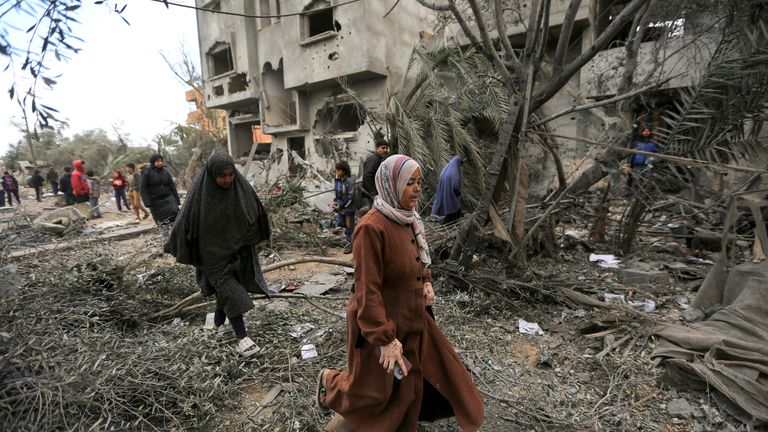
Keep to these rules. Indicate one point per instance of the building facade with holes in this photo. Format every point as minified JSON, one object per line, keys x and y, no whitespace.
{"x":286,"y":66}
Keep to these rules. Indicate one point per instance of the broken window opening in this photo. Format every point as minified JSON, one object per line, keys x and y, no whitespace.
{"x":339,"y":118}
{"x":218,"y":90}
{"x":318,"y":20}
{"x":220,"y":60}
{"x":237,"y":83}
{"x":279,"y":104}
{"x":295,"y":144}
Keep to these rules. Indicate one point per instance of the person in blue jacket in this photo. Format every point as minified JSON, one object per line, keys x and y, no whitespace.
{"x":638,"y":163}
{"x":448,"y":197}
{"x":343,"y":204}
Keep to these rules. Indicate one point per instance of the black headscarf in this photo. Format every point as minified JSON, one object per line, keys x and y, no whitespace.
{"x":215,"y":222}
{"x":154,"y":158}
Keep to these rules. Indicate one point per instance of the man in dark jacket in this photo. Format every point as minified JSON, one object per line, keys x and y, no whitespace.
{"x":37,"y":183}
{"x":53,"y":179}
{"x":66,"y":186}
{"x":370,"y":166}
{"x":11,"y":187}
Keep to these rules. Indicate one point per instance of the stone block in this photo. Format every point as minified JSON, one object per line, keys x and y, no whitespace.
{"x":641,"y":276}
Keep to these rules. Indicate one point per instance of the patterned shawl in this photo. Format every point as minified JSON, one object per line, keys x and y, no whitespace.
{"x":391,"y":179}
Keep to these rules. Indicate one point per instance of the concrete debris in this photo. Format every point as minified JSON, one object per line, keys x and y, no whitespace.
{"x":680,"y":408}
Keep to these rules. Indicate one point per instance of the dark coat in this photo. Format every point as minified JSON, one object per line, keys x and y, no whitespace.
{"x":158,"y":192}
{"x":65,"y":183}
{"x":37,"y":181}
{"x":370,"y":166}
{"x":388,"y":302}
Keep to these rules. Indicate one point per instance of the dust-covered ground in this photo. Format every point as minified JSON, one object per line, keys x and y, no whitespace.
{"x":79,"y":351}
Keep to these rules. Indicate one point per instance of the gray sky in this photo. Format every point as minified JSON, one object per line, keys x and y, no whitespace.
{"x":119,"y":76}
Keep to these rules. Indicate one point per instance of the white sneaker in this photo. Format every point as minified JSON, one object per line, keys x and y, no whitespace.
{"x":247,"y":347}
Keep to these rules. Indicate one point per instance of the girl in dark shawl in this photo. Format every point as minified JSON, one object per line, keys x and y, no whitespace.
{"x":158,"y":191}
{"x":217,"y":231}
{"x":448,"y":197}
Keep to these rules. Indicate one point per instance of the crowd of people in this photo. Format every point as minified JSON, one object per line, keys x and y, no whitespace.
{"x":148,"y":182}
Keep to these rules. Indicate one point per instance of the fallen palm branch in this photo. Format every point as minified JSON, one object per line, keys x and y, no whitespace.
{"x":185,"y":304}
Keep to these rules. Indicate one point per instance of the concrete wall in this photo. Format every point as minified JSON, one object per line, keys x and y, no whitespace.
{"x":291,"y":76}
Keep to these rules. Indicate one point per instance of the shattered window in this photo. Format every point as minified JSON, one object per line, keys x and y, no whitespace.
{"x":220,"y":59}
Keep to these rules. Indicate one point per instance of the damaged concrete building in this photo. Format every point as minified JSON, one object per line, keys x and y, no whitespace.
{"x":278,"y":64}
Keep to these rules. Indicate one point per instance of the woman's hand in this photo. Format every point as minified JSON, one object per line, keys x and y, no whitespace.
{"x":429,"y":294}
{"x":391,"y":355}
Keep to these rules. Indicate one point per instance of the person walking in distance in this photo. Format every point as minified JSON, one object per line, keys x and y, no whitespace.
{"x":53,"y":179}
{"x":11,"y":187}
{"x":118,"y":185}
{"x":65,"y":185}
{"x":81,"y":191}
{"x":94,"y":186}
{"x":448,"y":196}
{"x":133,"y":179}
{"x":37,"y":182}
{"x":158,"y":191}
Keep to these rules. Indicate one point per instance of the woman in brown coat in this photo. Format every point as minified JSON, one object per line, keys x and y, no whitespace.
{"x":390,"y":325}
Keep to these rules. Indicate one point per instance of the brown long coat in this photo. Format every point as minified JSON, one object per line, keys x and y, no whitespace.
{"x":388,"y":302}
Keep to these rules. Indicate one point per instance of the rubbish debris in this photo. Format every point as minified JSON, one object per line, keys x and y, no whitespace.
{"x":645,"y":305}
{"x":525,"y":327}
{"x":308,"y":351}
{"x":60,"y":221}
{"x":300,"y":329}
{"x":605,"y":261}
{"x":614,"y":298}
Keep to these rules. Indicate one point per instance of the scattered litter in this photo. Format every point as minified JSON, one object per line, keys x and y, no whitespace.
{"x":614,"y":298}
{"x":605,"y":261}
{"x":491,"y":364}
{"x":646,"y":306}
{"x":683,"y":302}
{"x":300,"y":329}
{"x":308,"y":351}
{"x":566,"y":314}
{"x":275,"y":288}
{"x":179,"y":322}
{"x":526,"y":327}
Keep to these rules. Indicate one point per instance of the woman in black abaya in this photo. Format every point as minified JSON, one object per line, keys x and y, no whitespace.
{"x":217,"y":231}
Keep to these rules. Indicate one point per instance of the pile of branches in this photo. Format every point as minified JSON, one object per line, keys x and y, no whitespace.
{"x":294,"y":224}
{"x":76,"y":354}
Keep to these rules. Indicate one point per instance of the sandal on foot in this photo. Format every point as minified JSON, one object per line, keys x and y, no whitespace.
{"x":247,"y":347}
{"x":337,"y":424}
{"x":320,"y":391}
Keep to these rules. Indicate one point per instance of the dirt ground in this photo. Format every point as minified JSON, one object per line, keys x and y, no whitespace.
{"x":589,"y":368}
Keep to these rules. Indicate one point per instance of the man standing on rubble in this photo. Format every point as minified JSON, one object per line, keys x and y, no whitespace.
{"x":370,"y":166}
{"x":80,"y":189}
{"x":65,"y":185}
{"x":53,"y":179}
{"x":639,"y":164}
{"x":11,"y":187}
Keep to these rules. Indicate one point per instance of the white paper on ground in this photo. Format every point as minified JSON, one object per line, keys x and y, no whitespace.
{"x":526,"y":327}
{"x":605,"y":261}
{"x":308,"y":351}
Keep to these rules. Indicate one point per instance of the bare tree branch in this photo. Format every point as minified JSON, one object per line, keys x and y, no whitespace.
{"x":565,"y":35}
{"x":559,"y":80}
{"x":600,"y":103}
{"x":501,"y":29}
{"x":436,"y":6}
{"x":488,"y":44}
